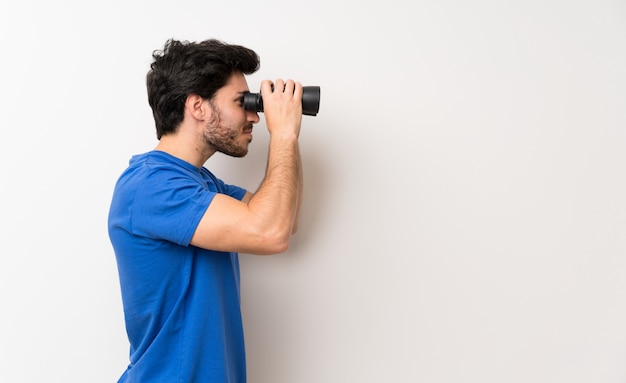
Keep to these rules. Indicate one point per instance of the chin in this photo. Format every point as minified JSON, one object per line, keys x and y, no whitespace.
{"x":240,"y":153}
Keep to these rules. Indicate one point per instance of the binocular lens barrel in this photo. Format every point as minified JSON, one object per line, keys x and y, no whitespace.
{"x":310,"y":101}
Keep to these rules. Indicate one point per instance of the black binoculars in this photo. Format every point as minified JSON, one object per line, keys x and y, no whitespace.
{"x":310,"y":101}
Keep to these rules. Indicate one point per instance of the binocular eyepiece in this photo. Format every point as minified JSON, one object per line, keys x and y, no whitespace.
{"x":310,"y":101}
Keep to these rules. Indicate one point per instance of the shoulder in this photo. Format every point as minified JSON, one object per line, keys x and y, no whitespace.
{"x":159,"y":169}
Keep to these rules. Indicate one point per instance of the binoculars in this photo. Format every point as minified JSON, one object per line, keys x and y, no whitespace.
{"x":310,"y":101}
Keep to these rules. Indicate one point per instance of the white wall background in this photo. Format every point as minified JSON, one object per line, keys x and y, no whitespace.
{"x":464,"y":220}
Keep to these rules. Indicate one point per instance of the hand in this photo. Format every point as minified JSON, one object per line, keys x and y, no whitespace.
{"x":282,"y":106}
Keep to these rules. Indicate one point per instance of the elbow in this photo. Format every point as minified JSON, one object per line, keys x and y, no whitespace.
{"x":273,"y":237}
{"x":281,"y":247}
{"x":271,"y":249}
{"x":275,"y":244}
{"x":280,"y":244}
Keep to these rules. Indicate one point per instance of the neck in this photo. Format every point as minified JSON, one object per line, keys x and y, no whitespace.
{"x":187,"y":149}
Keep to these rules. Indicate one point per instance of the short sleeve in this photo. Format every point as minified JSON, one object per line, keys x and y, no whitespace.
{"x":169,"y":205}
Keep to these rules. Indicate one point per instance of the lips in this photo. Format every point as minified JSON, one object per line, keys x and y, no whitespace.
{"x":248,"y":132}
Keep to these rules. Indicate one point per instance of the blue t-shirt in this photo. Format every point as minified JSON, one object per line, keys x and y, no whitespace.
{"x":181,"y":303}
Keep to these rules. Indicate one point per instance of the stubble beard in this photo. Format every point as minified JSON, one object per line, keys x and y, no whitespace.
{"x":224,"y":138}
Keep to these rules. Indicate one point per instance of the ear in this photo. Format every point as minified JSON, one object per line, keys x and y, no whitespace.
{"x":196,"y":107}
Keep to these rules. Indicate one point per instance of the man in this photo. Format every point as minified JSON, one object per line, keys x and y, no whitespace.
{"x":177,"y":229}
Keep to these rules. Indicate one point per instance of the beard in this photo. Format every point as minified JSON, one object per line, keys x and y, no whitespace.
{"x":224,"y":137}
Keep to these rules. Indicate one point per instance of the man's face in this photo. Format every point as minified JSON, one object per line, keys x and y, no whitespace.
{"x":230,"y":128}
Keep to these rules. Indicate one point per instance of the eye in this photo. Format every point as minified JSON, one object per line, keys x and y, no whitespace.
{"x":239,"y":101}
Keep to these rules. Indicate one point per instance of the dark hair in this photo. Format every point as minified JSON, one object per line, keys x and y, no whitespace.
{"x":183,"y":68}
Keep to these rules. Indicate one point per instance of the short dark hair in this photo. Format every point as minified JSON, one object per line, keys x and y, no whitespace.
{"x":183,"y":68}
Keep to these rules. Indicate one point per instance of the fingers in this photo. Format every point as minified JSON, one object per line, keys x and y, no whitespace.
{"x":267,"y":87}
{"x":280,"y":86}
{"x":297,"y":92}
{"x":282,"y":103}
{"x":282,"y":97}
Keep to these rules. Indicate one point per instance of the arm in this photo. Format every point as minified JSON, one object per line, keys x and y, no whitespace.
{"x":300,"y":189}
{"x":262,"y":223}
{"x":249,"y":195}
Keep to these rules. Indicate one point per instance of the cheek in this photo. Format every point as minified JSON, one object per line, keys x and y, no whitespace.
{"x":235,"y":117}
{"x":234,"y":124}
{"x":242,"y":117}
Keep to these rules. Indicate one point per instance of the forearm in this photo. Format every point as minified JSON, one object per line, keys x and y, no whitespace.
{"x":300,"y":193}
{"x":276,"y":202}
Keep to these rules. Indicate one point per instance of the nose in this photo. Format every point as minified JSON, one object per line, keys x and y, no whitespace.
{"x":252,"y":116}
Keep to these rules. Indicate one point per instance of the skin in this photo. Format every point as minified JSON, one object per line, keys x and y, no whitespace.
{"x":263,"y":222}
